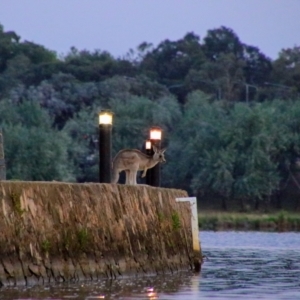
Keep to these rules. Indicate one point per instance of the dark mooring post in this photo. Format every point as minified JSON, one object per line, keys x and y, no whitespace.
{"x":148,"y":151}
{"x":148,"y":147}
{"x":154,"y":173}
{"x":105,"y":146}
{"x":2,"y":159}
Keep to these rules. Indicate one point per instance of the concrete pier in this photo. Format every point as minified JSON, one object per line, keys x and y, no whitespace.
{"x":53,"y":232}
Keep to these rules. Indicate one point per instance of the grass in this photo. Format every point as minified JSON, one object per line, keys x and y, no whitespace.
{"x":278,"y":221}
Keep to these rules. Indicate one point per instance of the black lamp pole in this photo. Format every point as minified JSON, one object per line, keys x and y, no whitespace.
{"x":153,"y":177}
{"x":2,"y":159}
{"x":155,"y":171}
{"x":148,"y":151}
{"x":105,"y":146}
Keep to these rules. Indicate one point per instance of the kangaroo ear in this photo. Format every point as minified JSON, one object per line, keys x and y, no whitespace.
{"x":162,"y":151}
{"x":155,"y":149}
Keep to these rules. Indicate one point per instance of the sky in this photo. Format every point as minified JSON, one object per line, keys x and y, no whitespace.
{"x":118,"y":25}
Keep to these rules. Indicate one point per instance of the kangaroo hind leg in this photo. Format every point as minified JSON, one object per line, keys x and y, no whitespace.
{"x":115,"y":176}
{"x":127,"y":181}
{"x":132,"y":177}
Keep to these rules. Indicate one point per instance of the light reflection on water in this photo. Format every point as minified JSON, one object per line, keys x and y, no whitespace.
{"x":241,"y":265}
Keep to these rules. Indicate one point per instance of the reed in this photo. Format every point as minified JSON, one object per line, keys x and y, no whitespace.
{"x":277,"y":221}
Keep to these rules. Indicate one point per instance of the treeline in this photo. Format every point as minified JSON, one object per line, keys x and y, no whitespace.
{"x":230,"y":114}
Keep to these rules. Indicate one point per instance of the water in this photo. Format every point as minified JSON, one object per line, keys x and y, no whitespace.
{"x":240,"y":265}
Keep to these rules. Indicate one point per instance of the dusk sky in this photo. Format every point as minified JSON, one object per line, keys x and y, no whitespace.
{"x":118,"y":25}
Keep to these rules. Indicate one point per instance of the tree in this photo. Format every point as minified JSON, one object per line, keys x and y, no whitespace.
{"x":188,"y":143}
{"x":222,"y":41}
{"x":33,"y":150}
{"x":170,"y":62}
{"x":19,"y":61}
{"x":62,"y":96}
{"x":83,"y":149}
{"x":124,"y":86}
{"x":233,"y":152}
{"x":222,"y":77}
{"x":238,"y":66}
{"x":285,"y":80}
{"x":88,"y":66}
{"x":8,"y":46}
{"x":37,"y":54}
{"x":258,"y":67}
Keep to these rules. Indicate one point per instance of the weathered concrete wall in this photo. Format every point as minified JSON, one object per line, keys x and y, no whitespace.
{"x":51,"y":231}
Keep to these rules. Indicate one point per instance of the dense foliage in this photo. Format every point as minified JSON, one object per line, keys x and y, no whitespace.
{"x":230,"y":114}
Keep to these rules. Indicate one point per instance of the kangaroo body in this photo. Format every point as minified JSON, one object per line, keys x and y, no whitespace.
{"x":132,"y":160}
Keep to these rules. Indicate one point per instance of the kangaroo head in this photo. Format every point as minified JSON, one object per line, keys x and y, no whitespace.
{"x":159,"y":154}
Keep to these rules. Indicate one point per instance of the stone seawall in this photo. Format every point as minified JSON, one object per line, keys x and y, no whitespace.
{"x":52,"y":232}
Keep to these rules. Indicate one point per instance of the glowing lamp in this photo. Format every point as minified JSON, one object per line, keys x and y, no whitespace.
{"x":105,"y":117}
{"x":148,"y":145}
{"x":155,"y":133}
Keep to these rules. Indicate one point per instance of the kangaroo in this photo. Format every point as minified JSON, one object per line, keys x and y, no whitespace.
{"x":132,"y":160}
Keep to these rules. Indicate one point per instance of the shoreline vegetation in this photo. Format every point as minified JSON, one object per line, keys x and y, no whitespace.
{"x":280,"y":221}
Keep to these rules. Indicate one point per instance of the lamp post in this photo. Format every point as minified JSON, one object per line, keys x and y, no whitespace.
{"x":247,"y":87}
{"x":148,"y":147}
{"x":148,"y":151}
{"x":105,"y":158}
{"x":153,"y":174}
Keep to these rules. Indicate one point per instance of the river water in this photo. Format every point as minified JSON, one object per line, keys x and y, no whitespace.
{"x":240,"y":265}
